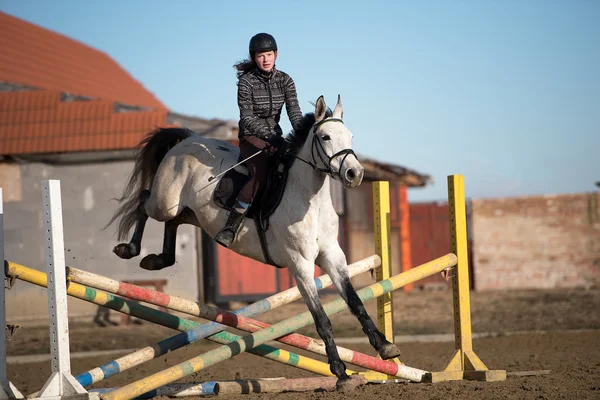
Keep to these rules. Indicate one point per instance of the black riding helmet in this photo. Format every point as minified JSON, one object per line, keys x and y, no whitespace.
{"x":262,"y":42}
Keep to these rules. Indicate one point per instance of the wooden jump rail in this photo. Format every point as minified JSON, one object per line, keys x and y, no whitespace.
{"x":157,"y":284}
{"x":192,"y":330}
{"x":282,"y":331}
{"x":210,"y":331}
{"x":103,"y":291}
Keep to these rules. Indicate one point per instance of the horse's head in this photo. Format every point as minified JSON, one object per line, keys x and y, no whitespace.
{"x":332,"y":145}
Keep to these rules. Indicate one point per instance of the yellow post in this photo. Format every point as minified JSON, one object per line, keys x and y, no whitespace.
{"x":385,"y":310}
{"x":465,"y":364}
{"x":381,"y":221}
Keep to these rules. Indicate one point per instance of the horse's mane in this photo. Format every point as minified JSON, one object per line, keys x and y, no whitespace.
{"x":296,"y":139}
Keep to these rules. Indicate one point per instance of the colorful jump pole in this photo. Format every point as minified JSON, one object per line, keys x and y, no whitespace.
{"x":183,"y":389}
{"x":251,"y":325}
{"x":176,"y":303}
{"x":161,"y":318}
{"x":275,"y":331}
{"x":194,"y":308}
{"x":242,"y":386}
{"x":281,"y":385}
{"x":239,"y":322}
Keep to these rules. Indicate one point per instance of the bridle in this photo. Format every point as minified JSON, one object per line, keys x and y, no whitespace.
{"x":316,"y":142}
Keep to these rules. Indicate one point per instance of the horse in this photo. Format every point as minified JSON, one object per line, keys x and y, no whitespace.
{"x":171,"y":182}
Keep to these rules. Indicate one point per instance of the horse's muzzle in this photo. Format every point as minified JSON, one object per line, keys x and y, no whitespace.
{"x":353,"y":177}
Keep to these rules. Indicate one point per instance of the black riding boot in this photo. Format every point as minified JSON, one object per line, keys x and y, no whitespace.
{"x":226,"y":235}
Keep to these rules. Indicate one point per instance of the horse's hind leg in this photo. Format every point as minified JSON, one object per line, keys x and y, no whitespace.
{"x":334,"y":264}
{"x":154,"y":262}
{"x":133,"y":248}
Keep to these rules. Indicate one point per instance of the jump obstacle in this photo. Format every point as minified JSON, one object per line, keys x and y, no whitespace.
{"x":62,"y":281}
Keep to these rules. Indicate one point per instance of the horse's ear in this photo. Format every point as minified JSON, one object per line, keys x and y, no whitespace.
{"x":338,"y":111}
{"x":320,"y":109}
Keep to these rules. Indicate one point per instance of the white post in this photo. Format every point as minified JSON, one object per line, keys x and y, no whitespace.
{"x":61,"y":383}
{"x":7,"y":390}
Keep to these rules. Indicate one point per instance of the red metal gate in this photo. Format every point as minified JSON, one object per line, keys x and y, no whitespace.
{"x":430,"y":237}
{"x":229,"y":276}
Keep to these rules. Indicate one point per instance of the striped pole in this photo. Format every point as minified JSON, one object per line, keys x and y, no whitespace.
{"x":161,"y":318}
{"x":192,"y":307}
{"x":251,"y":325}
{"x":282,"y":385}
{"x":150,"y":352}
{"x":242,"y":386}
{"x":275,"y":331}
{"x":172,"y":390}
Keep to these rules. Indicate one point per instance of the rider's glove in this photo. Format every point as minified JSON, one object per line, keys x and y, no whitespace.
{"x":276,"y":141}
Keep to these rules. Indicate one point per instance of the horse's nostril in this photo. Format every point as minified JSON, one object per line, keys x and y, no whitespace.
{"x":350,"y":175}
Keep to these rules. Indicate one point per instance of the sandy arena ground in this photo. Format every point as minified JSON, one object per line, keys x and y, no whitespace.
{"x":556,"y":330}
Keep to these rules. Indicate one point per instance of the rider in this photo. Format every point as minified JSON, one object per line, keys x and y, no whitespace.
{"x":262,"y":92}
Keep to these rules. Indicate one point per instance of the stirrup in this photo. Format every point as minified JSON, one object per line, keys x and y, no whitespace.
{"x":227,"y":234}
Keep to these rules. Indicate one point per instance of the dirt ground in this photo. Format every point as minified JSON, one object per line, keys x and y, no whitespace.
{"x":556,"y":330}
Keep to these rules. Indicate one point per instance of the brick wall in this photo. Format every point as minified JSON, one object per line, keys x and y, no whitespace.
{"x":537,"y":242}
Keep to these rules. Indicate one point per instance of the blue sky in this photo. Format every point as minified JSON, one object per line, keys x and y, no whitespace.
{"x":505,"y":92}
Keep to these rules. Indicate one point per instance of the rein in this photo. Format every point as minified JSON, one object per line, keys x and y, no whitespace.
{"x":316,"y":142}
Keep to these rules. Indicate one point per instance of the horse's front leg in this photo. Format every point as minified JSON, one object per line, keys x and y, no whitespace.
{"x":333,"y":262}
{"x":303,"y":273}
{"x":133,"y":248}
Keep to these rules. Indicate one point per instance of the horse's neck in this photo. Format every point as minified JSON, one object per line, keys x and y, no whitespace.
{"x":310,"y":182}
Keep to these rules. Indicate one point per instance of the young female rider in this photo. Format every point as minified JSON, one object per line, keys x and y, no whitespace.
{"x":262,"y":92}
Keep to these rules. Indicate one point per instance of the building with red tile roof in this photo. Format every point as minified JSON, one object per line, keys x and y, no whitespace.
{"x":59,"y":95}
{"x":37,"y":57}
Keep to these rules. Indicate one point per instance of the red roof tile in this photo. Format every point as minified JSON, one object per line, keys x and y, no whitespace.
{"x":34,"y":56}
{"x":38,"y":122}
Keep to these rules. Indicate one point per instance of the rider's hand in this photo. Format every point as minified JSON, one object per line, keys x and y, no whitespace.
{"x":276,"y":141}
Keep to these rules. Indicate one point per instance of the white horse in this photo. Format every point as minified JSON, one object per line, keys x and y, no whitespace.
{"x":170,"y":183}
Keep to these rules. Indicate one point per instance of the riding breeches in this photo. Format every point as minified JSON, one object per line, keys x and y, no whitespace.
{"x":257,"y":167}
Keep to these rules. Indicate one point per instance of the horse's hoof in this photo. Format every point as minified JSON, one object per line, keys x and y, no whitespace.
{"x":350,"y":383}
{"x":152,"y":262}
{"x":126,"y":250}
{"x":389,"y":350}
{"x":98,"y":322}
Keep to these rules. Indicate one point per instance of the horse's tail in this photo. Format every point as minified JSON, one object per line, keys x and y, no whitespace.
{"x":149,"y":154}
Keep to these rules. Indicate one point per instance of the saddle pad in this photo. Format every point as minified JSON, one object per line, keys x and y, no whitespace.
{"x":265,"y":202}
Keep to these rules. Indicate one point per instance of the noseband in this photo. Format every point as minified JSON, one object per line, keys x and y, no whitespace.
{"x":322,"y":155}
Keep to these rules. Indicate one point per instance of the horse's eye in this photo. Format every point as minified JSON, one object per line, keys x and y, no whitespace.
{"x":326,"y":137}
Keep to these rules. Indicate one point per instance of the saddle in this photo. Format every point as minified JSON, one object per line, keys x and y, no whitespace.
{"x":267,"y":198}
